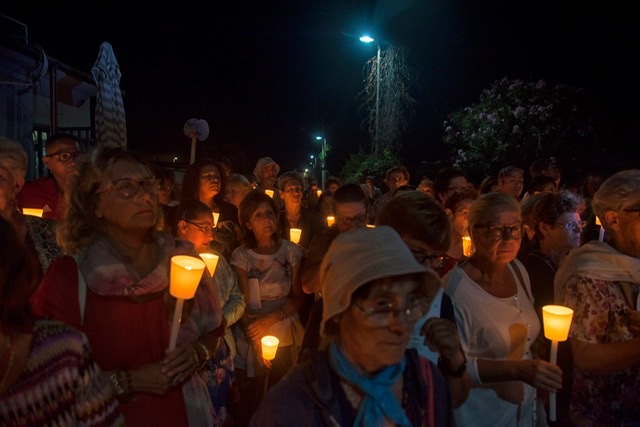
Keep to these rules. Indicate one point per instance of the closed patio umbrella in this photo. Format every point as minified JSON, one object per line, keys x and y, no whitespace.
{"x":111,"y":125}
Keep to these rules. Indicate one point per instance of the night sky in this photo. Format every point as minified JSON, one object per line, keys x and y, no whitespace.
{"x":267,"y":78}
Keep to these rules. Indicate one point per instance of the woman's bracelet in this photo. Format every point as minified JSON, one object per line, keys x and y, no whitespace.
{"x":205,"y":352}
{"x":122,"y":384}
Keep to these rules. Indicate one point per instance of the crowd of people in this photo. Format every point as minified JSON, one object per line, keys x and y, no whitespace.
{"x":419,"y":305}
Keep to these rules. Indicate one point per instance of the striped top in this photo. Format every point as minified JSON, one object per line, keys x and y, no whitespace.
{"x":60,"y":384}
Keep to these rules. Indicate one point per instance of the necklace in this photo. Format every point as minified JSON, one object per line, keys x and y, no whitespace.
{"x":8,"y":348}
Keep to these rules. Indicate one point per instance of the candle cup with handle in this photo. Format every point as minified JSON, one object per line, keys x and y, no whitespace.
{"x":211,"y":260}
{"x":184,"y":277}
{"x":294,"y":234}
{"x":557,"y":322}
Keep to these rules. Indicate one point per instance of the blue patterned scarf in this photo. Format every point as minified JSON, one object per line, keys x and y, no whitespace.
{"x":379,"y":400}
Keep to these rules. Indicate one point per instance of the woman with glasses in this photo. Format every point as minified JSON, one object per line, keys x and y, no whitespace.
{"x":600,"y":281}
{"x":556,"y":227}
{"x":191,"y":221}
{"x":114,"y":287}
{"x":497,"y":321}
{"x":205,"y":181}
{"x":374,"y":291}
{"x":268,"y":270}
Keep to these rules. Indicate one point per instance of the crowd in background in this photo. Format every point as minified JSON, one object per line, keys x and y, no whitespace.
{"x":418,"y":305}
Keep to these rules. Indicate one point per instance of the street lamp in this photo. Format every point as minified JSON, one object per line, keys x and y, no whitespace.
{"x":369,"y":39}
{"x":323,"y":156}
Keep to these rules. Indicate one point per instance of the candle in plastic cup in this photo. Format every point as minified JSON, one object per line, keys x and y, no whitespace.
{"x":331,"y":220}
{"x":269,"y":347}
{"x":211,"y":260}
{"x":216,"y":215}
{"x":294,"y":233}
{"x":33,"y":211}
{"x":269,"y":193}
{"x":185,"y":275}
{"x":466,"y":246}
{"x":319,"y":193}
{"x":371,"y":226}
{"x":557,"y":322}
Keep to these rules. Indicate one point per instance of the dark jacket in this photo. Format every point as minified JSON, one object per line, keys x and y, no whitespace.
{"x":311,"y":395}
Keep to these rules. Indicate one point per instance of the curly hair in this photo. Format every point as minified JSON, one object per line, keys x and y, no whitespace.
{"x":549,"y":206}
{"x":80,"y":226}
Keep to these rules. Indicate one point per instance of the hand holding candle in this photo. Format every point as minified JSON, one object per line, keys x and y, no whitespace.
{"x":557,"y":322}
{"x":184,"y":277}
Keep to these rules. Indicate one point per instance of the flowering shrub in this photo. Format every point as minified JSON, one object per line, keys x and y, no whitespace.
{"x":516,"y":122}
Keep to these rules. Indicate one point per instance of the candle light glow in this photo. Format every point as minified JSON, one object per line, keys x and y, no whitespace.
{"x":184,"y":277}
{"x":33,"y":212}
{"x":294,"y":234}
{"x":269,"y":193}
{"x":216,"y":215}
{"x":467,"y":246}
{"x":331,"y":220}
{"x":557,"y":322}
{"x":269,"y":347}
{"x":211,"y":260}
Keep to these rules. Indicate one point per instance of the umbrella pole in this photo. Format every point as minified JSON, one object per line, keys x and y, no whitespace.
{"x":193,"y":149}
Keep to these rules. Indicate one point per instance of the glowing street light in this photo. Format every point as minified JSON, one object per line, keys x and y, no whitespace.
{"x":368,"y":39}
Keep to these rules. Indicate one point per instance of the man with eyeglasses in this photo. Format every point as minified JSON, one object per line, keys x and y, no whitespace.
{"x":47,"y":192}
{"x":350,"y":205}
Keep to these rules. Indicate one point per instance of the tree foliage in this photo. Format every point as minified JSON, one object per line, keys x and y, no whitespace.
{"x":363,"y":164}
{"x":516,"y":122}
{"x":386,"y":98}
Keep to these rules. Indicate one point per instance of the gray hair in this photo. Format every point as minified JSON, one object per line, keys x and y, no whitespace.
{"x":13,"y":157}
{"x":489,"y":205}
{"x":617,"y":192}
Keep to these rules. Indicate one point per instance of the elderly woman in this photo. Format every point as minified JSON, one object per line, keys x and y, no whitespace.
{"x":115,"y":288}
{"x":374,"y":291}
{"x":600,"y":281}
{"x":268,"y":270}
{"x":44,"y":363}
{"x":497,"y":321}
{"x":236,"y":188}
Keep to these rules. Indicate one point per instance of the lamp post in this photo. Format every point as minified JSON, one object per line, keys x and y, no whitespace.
{"x":323,"y":156}
{"x":369,"y":39}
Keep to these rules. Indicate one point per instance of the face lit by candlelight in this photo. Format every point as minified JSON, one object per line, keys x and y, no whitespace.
{"x":263,"y":221}
{"x":137,"y":212}
{"x":197,"y":231}
{"x":210,"y":182}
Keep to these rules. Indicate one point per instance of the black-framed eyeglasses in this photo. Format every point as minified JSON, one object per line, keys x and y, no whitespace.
{"x":435,"y":261}
{"x":359,"y":220}
{"x":65,"y":156}
{"x":499,"y":232}
{"x":205,"y":228}
{"x":576,"y":227}
{"x":127,"y":187}
{"x":383,"y":315}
